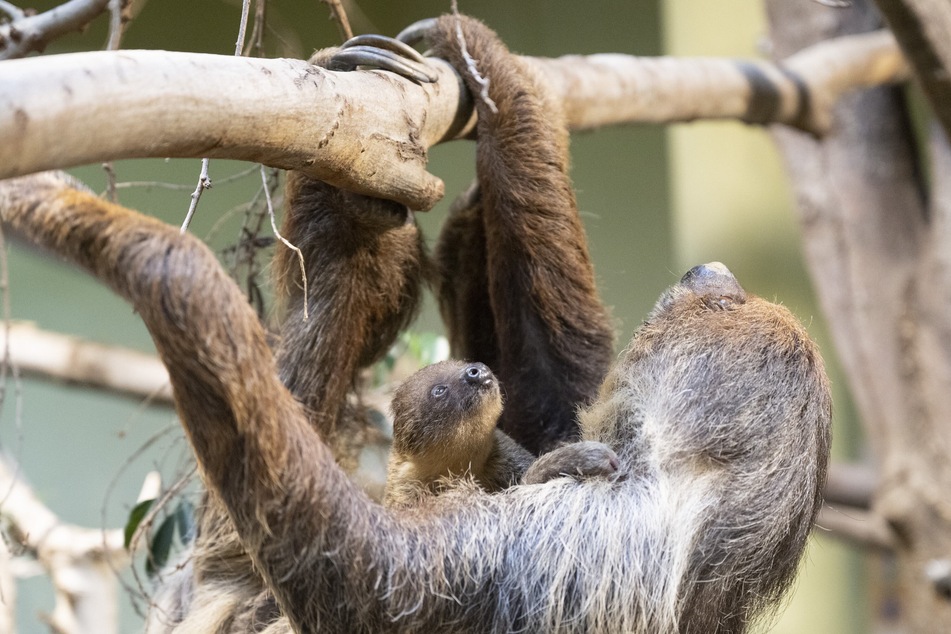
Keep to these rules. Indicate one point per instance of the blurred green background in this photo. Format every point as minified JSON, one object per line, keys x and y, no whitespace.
{"x":655,"y":201}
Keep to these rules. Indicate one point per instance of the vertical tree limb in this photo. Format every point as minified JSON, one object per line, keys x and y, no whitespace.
{"x":923,"y":29}
{"x":866,"y":233}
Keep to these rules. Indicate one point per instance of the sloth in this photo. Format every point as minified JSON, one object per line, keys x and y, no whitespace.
{"x":718,"y":408}
{"x":444,"y":428}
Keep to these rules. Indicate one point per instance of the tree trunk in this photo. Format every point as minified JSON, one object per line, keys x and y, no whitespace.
{"x":878,"y":256}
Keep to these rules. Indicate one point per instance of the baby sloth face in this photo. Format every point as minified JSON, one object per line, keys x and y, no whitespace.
{"x":447,"y":404}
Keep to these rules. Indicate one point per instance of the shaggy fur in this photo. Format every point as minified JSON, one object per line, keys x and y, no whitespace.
{"x":718,"y":409}
{"x":444,"y":430}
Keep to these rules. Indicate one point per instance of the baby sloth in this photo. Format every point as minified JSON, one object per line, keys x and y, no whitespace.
{"x":444,"y":428}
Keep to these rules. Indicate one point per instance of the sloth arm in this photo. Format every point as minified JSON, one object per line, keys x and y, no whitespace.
{"x":255,"y":447}
{"x":515,"y":250}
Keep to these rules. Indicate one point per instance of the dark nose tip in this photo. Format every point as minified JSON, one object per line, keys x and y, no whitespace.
{"x":712,"y":278}
{"x":477,"y":374}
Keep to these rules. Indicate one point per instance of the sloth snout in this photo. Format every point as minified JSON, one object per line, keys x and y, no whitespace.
{"x":713,"y":278}
{"x":477,"y":374}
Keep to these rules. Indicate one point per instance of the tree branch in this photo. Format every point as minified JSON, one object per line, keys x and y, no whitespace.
{"x":34,"y":33}
{"x":80,"y":561}
{"x":369,"y":131}
{"x":74,"y":360}
{"x":922,"y":28}
{"x":863,"y":528}
{"x":850,"y":485}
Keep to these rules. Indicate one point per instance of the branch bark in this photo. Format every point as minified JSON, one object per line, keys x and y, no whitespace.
{"x":922,"y":28}
{"x":872,"y":249}
{"x":369,"y":131}
{"x":33,"y":33}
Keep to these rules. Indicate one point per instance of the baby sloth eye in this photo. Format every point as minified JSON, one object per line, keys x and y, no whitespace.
{"x":439,"y":390}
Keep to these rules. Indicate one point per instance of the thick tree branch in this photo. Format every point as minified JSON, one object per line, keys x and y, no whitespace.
{"x":922,"y":28}
{"x":34,"y":33}
{"x":369,"y":132}
{"x":74,"y":360}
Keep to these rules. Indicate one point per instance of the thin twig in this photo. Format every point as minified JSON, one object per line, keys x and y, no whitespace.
{"x":242,"y":27}
{"x":116,"y":23}
{"x":277,"y":234}
{"x":110,"y":170}
{"x":471,"y":64}
{"x":204,"y":182}
{"x":339,"y":15}
{"x":256,"y":42}
{"x":179,"y":187}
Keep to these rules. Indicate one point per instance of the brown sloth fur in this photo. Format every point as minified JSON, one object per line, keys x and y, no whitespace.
{"x":718,"y":409}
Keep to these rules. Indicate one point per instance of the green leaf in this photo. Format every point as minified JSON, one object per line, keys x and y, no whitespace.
{"x":136,"y":515}
{"x":161,"y":546}
{"x":185,"y":519}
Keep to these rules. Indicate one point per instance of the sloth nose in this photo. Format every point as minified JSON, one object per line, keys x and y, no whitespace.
{"x":712,"y":278}
{"x":477,"y":374}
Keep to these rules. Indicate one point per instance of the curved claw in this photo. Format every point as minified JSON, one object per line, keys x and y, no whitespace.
{"x":417,"y":31}
{"x":386,"y":43}
{"x":384,"y":53}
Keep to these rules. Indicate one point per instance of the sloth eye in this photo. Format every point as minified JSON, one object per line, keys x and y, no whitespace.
{"x":439,"y":390}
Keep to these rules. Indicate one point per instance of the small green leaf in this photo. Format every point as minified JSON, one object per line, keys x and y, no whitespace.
{"x":161,"y":546}
{"x":136,"y":515}
{"x":185,"y":519}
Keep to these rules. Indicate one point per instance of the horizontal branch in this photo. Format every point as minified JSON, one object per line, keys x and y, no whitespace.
{"x":851,"y":485}
{"x":863,"y":528}
{"x":369,"y":131}
{"x":66,"y":358}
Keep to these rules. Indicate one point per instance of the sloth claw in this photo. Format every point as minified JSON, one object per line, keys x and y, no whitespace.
{"x":417,"y":31}
{"x":384,"y":53}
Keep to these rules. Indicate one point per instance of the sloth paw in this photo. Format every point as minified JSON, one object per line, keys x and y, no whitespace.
{"x":578,"y":460}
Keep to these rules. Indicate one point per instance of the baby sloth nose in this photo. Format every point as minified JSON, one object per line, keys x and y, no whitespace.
{"x":713,"y":278}
{"x":477,"y":374}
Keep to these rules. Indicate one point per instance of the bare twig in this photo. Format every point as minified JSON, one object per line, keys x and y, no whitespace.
{"x":33,"y":33}
{"x":256,"y":43}
{"x":277,"y":234}
{"x":339,"y":16}
{"x":118,"y":16}
{"x":204,"y":182}
{"x":111,"y":187}
{"x":242,"y":27}
{"x":471,"y":65}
